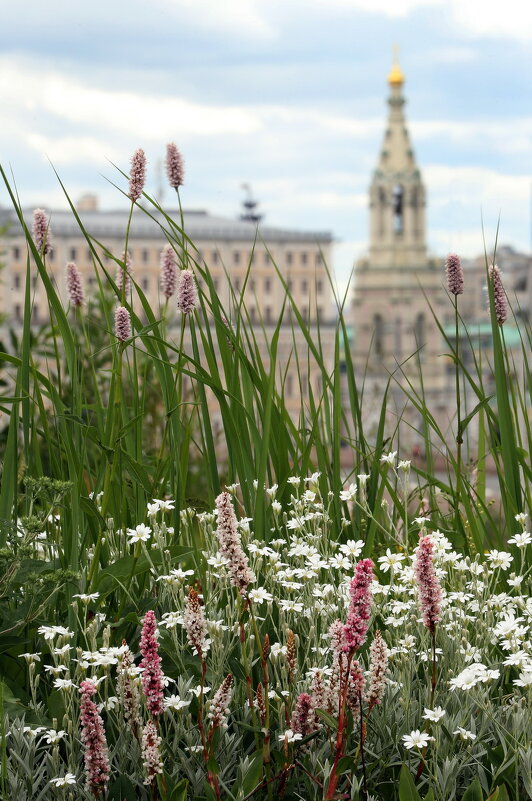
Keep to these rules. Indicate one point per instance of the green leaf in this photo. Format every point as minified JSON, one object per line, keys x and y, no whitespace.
{"x":407,"y":788}
{"x":253,"y":774}
{"x":430,"y":795}
{"x":345,"y":764}
{"x":328,"y":719}
{"x":179,"y":793}
{"x":502,"y":794}
{"x":122,"y":790}
{"x":474,"y":791}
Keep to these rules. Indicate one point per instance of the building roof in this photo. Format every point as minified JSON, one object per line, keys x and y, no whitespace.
{"x":198,"y":225}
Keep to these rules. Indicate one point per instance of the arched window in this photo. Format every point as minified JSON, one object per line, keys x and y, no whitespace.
{"x":397,"y":197}
{"x":378,"y":327}
{"x":381,"y":208}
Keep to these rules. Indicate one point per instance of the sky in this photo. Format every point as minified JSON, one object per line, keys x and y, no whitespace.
{"x":288,"y":96}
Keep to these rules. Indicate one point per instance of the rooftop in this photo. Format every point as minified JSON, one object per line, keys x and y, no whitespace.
{"x":198,"y":225}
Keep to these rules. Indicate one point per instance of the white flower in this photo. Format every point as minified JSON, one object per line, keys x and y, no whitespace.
{"x":175,"y":702}
{"x":362,"y":479}
{"x":465,"y":734}
{"x":165,"y":506}
{"x":339,"y":562}
{"x":153,"y":509}
{"x":390,"y":560}
{"x":139,"y":534}
{"x":52,"y":736}
{"x":389,"y":458}
{"x":271,"y":491}
{"x":521,"y":540}
{"x":349,"y":494}
{"x":277,"y":649}
{"x":434,"y":714}
{"x":87,"y":597}
{"x":295,"y":480}
{"x":522,"y":517}
{"x":31,"y":657}
{"x":260,"y":595}
{"x":296,"y":523}
{"x":416,"y":739}
{"x":291,"y":606}
{"x":525,"y":677}
{"x":33,"y":732}
{"x":277,"y":507}
{"x":197,"y":690}
{"x":352,"y":548}
{"x":63,"y":684}
{"x":500,"y":559}
{"x":405,"y":465}
{"x":519,"y":659}
{"x":290,"y":736}
{"x":63,"y":781}
{"x":50,"y":632}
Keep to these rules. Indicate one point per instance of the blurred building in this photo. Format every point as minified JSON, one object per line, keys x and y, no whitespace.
{"x":243,"y":257}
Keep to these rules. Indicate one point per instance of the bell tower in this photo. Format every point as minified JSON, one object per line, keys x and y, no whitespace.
{"x":392,"y":323}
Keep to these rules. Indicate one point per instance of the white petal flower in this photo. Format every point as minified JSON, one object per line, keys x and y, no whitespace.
{"x":64,"y":781}
{"x":465,"y":734}
{"x":290,"y":736}
{"x":416,"y":739}
{"x":139,"y":534}
{"x":434,"y":715}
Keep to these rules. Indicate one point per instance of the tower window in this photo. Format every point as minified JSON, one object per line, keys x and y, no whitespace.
{"x":398,"y":209}
{"x":378,"y":327}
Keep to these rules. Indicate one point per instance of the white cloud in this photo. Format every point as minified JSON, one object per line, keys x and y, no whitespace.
{"x":73,"y":149}
{"x":233,"y":17}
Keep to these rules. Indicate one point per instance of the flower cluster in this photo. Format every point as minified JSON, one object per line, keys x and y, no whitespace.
{"x":230,"y":544}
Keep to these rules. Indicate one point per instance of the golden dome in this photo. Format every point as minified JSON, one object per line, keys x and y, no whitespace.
{"x":396,"y":77}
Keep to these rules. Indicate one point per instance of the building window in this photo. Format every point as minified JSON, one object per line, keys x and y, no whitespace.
{"x":397,"y":200}
{"x":216,"y":284}
{"x":89,"y":254}
{"x":144,"y":255}
{"x":289,"y":284}
{"x":253,"y":314}
{"x":237,"y":284}
{"x":304,"y":286}
{"x":17,"y":280}
{"x":18,"y":313}
{"x":268,"y":314}
{"x":92,"y":280}
{"x":419,"y":332}
{"x":73,"y":254}
{"x":252,"y":285}
{"x":378,"y":327}
{"x":145,"y":283}
{"x":319,"y":286}
{"x":289,"y":258}
{"x":34,"y":281}
{"x":16,"y":254}
{"x":215,"y":257}
{"x":268,"y":285}
{"x":35,"y":313}
{"x":319,"y":313}
{"x":304,"y":258}
{"x":266,"y":258}
{"x":289,"y":385}
{"x":318,"y":258}
{"x":236,"y":257}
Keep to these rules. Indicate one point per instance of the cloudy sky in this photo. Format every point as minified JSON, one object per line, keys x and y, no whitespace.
{"x":286,"y":95}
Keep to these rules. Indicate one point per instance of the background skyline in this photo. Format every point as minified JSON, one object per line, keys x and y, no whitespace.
{"x":289,"y":97}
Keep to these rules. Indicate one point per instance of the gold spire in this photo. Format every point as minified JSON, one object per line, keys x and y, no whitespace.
{"x":396,"y":77}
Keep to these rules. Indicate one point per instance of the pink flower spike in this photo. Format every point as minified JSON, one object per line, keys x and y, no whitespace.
{"x":429,"y":590}
{"x":74,"y":285}
{"x":152,"y":677}
{"x":174,"y":165}
{"x":303,"y":717}
{"x":151,"y":752}
{"x":219,"y":709}
{"x":41,"y":232}
{"x":195,"y":623}
{"x":455,"y":274}
{"x":378,"y":666}
{"x":122,"y":324}
{"x":93,"y":739}
{"x":187,"y":293}
{"x":230,"y":544}
{"x":168,"y":271}
{"x":499,"y":295}
{"x":137,"y":175}
{"x":357,"y":623}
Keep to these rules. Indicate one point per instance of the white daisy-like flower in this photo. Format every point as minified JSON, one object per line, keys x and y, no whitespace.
{"x":389,"y":458}
{"x":64,"y":781}
{"x":522,"y":517}
{"x":291,"y":606}
{"x":153,"y":509}
{"x":49,"y":632}
{"x":276,"y":649}
{"x":525,"y":677}
{"x":500,"y":559}
{"x":31,"y":657}
{"x":352,"y":548}
{"x":175,"y":702}
{"x":390,"y":560}
{"x":166,"y":506}
{"x":349,"y":494}
{"x":197,"y":690}
{"x":465,"y":734}
{"x":521,"y":540}
{"x":416,"y":739}
{"x":277,"y":507}
{"x":140,"y":533}
{"x":87,"y":597}
{"x":259,"y":595}
{"x":64,"y":684}
{"x":290,"y":736}
{"x":434,"y":715}
{"x":52,"y":736}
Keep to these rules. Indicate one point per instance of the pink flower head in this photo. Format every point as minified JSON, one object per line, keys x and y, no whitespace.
{"x":357,"y":623}
{"x":230,"y":545}
{"x":499,"y":295}
{"x":219,"y":709}
{"x":122,"y":324}
{"x":303,"y":717}
{"x":378,"y":666}
{"x":123,"y":275}
{"x":93,"y":739}
{"x":187,"y":293}
{"x":429,"y":590}
{"x":152,"y":677}
{"x":195,"y":623}
{"x":74,"y":285}
{"x":355,"y":686}
{"x":174,"y":165}
{"x":455,"y":274}
{"x":168,"y":271}
{"x":151,"y":752}
{"x":337,"y":638}
{"x":137,"y":175}
{"x":128,"y":691}
{"x":41,"y":232}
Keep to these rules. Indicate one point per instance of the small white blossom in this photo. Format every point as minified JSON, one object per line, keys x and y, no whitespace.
{"x":416,"y":739}
{"x":521,"y":540}
{"x":139,"y":534}
{"x":465,"y":734}
{"x":64,"y":781}
{"x":290,"y":736}
{"x":434,"y":715}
